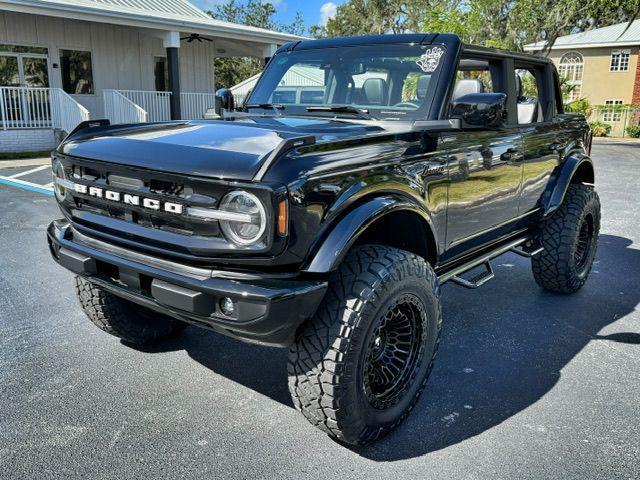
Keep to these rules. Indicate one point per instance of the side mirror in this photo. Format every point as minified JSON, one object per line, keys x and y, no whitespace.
{"x":224,"y":99}
{"x":480,"y":110}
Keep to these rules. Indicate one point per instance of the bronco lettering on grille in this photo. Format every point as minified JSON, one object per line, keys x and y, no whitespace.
{"x":128,"y":199}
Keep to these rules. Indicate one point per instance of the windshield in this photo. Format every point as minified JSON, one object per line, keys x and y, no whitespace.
{"x":385,"y":82}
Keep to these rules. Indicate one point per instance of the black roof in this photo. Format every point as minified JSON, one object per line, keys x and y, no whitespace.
{"x":448,"y":39}
{"x":418,"y":38}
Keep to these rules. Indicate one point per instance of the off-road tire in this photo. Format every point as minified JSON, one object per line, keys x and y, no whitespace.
{"x":327,"y":361}
{"x":560,"y":267}
{"x":130,"y":322}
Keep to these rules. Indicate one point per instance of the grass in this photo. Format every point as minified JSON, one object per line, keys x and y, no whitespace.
{"x":20,"y":155}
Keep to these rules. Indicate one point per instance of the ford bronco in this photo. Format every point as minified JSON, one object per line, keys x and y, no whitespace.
{"x":324,"y":213}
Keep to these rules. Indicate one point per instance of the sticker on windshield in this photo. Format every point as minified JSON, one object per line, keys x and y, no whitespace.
{"x":430,"y":59}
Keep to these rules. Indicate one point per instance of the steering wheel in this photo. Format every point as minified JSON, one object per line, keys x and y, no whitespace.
{"x":406,"y":105}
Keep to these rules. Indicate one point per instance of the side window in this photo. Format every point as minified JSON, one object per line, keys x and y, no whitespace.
{"x":528,"y":97}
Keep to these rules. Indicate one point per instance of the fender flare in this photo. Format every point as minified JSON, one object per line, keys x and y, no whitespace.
{"x":332,"y":249}
{"x":554,"y":197}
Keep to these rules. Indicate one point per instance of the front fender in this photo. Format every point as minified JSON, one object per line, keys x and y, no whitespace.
{"x":554,"y":196}
{"x":346,"y":231}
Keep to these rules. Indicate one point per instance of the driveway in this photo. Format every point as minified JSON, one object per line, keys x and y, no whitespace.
{"x":527,"y":384}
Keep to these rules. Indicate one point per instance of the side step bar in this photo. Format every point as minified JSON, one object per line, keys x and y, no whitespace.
{"x":482,"y":260}
{"x":478,"y":280}
{"x":527,"y":253}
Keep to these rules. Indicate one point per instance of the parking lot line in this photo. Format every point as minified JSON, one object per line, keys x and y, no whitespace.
{"x":27,"y":172}
{"x":16,"y":182}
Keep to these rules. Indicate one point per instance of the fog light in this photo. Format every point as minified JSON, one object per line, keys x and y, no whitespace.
{"x":227,"y":306}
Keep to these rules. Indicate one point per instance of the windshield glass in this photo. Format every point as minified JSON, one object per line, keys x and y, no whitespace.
{"x":386,"y":82}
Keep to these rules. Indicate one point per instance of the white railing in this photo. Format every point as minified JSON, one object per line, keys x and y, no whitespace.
{"x":120,"y":109}
{"x":193,"y":106}
{"x":27,"y":107}
{"x":66,"y":113}
{"x":23,"y":107}
{"x":156,"y":104}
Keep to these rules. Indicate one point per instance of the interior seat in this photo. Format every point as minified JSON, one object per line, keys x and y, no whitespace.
{"x":374,"y":91}
{"x":466,"y":86}
{"x":529,"y":108}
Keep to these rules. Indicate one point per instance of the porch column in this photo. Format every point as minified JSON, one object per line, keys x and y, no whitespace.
{"x":268,"y":51}
{"x":171,"y":42}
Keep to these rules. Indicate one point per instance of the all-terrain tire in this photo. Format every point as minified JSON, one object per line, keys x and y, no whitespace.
{"x":130,"y":322}
{"x":570,"y":240}
{"x":332,"y":367}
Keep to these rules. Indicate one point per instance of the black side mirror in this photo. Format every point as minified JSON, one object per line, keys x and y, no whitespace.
{"x":480,"y":110}
{"x":224,"y":100}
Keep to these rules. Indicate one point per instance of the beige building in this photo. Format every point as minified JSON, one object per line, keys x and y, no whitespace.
{"x":602,"y":64}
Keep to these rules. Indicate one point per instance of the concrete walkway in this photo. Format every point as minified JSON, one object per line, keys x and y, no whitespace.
{"x":25,"y":162}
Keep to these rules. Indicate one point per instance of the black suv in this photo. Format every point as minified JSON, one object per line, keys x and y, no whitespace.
{"x":324,"y":214}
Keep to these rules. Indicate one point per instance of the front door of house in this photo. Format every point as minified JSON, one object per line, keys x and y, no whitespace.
{"x":22,"y":106}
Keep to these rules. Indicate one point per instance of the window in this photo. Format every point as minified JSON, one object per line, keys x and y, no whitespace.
{"x":77,"y":75}
{"x":161,"y":74}
{"x":612,"y":115}
{"x":571,"y":69}
{"x":528,"y":101}
{"x":23,"y":49}
{"x":619,"y":60}
{"x":391,"y":82}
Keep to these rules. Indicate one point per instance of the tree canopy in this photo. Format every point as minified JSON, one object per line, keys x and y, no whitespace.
{"x":255,"y":13}
{"x":499,"y":23}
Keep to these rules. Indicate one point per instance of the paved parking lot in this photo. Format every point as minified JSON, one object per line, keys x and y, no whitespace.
{"x":527,"y":384}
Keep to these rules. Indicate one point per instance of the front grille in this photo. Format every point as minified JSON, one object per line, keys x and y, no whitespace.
{"x":140,"y":227}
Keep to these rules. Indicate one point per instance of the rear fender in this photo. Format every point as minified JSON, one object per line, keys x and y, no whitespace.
{"x":577,"y":168}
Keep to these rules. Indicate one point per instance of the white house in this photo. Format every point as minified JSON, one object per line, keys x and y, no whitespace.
{"x":65,"y":61}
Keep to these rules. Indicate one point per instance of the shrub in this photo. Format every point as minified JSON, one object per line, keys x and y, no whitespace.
{"x":633,"y":131}
{"x":600,"y":129}
{"x":582,"y":105}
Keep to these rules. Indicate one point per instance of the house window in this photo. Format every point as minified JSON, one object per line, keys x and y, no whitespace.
{"x":571,"y":69}
{"x":23,"y":49}
{"x":612,"y":115}
{"x":76,"y":71}
{"x":619,"y":60}
{"x":161,"y":74}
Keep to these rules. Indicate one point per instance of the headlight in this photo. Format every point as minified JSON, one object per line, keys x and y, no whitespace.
{"x":247,"y":219}
{"x":59,"y":180}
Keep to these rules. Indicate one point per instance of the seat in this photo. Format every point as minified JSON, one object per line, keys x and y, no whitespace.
{"x":529,"y":108}
{"x":374,"y":91}
{"x":467,"y":86}
{"x":423,"y":86}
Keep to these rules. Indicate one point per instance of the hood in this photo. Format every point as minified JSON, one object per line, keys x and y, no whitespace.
{"x":218,"y":149}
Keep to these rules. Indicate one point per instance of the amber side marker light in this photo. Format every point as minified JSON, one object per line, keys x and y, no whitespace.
{"x":283,"y":218}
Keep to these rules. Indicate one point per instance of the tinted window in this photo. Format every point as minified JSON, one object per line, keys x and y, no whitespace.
{"x":76,"y":72}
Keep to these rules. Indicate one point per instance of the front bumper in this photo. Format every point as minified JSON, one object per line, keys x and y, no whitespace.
{"x":268,"y":309}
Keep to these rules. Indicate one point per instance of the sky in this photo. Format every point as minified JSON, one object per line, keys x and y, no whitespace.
{"x":313,"y":12}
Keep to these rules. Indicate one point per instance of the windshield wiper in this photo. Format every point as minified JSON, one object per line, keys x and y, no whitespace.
{"x":274,"y":107}
{"x":341,"y":109}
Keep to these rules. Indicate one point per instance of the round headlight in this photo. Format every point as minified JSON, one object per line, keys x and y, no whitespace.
{"x":250,"y":224}
{"x":58,"y":174}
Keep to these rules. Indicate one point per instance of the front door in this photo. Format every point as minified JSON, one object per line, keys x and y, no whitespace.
{"x":25,"y":107}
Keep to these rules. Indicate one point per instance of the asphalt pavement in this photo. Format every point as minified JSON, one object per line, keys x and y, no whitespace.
{"x":527,"y":384}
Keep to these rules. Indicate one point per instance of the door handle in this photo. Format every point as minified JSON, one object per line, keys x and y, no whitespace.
{"x":555,"y":147}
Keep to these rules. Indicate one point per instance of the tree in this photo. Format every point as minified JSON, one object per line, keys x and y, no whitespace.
{"x":255,"y":13}
{"x":497,"y":23}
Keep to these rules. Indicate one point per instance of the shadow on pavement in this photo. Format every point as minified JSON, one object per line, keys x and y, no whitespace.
{"x":503,"y":347}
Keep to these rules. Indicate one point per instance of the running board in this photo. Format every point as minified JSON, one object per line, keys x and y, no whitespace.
{"x":527,"y":253}
{"x":481,"y":260}
{"x":476,"y":281}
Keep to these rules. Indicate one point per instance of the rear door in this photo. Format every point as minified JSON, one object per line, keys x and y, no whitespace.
{"x":485,"y":166}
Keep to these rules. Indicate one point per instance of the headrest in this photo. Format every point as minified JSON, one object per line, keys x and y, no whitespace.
{"x":466,"y":86}
{"x":375,"y":91}
{"x":423,"y":85}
